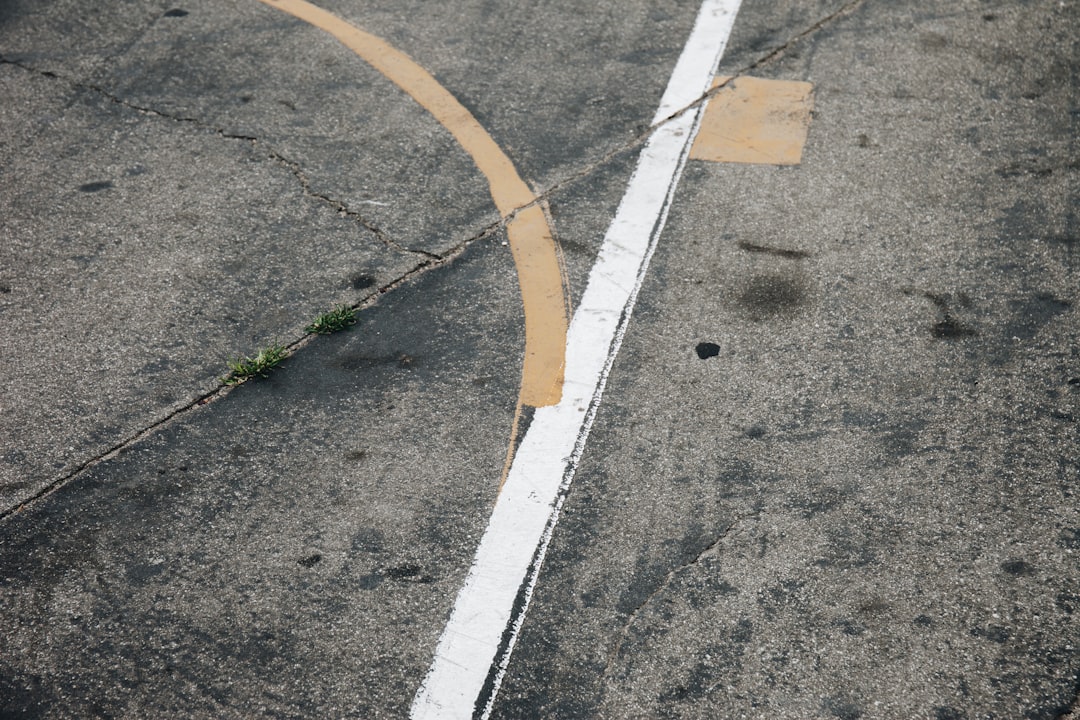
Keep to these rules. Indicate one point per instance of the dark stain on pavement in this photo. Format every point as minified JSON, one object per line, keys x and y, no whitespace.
{"x":562,"y":694}
{"x":949,"y":327}
{"x":1031,"y":314}
{"x":993,"y":633}
{"x":1018,"y":568}
{"x":142,"y":573}
{"x":862,"y":418}
{"x":875,"y":607}
{"x":405,"y":573}
{"x":408,"y":572}
{"x":648,"y":577}
{"x":1070,"y":539}
{"x":718,"y":660}
{"x":1016,"y":222}
{"x":1031,"y":166}
{"x":850,"y":628}
{"x":1026,"y":220}
{"x":362,"y":281}
{"x":310,"y":561}
{"x":754,"y":432}
{"x":23,"y":695}
{"x":704,"y":588}
{"x":370,"y":581}
{"x":900,"y":437}
{"x":94,"y":187}
{"x":772,"y":295}
{"x":1067,"y":602}
{"x":776,"y":252}
{"x":817,"y":502}
{"x":369,"y":539}
{"x":1069,"y":241}
{"x":741,"y":477}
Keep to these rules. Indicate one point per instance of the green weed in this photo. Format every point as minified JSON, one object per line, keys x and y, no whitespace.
{"x":243,"y":369}
{"x":333,"y":321}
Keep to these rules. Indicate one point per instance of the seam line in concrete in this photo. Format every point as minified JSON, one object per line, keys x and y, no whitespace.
{"x":430,"y":262}
{"x":425,"y":266}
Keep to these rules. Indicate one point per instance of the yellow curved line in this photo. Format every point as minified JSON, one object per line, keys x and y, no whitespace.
{"x":536,"y":255}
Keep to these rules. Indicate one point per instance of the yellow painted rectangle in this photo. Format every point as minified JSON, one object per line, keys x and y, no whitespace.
{"x":752,"y":120}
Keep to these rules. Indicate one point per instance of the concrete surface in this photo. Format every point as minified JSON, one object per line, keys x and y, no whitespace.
{"x":860,"y":503}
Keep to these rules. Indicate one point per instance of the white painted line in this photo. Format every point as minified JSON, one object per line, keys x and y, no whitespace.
{"x":475,"y":646}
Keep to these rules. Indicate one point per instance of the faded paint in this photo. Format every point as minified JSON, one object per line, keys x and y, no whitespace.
{"x":752,"y":120}
{"x":536,"y":256}
{"x":475,"y":647}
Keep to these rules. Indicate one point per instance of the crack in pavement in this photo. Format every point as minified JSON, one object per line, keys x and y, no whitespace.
{"x":776,"y":53}
{"x":711,"y":550}
{"x":343,"y":210}
{"x":541,"y":197}
{"x":428,"y":262}
{"x":292,"y":166}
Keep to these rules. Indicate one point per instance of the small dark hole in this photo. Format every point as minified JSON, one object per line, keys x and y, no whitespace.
{"x":707,"y":350}
{"x":311,"y":560}
{"x":176,"y":12}
{"x":95,"y":186}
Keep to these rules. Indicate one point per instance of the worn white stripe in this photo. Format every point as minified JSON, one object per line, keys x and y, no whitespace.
{"x":513,"y":547}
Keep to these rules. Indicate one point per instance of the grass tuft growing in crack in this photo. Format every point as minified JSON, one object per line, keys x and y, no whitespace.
{"x":243,"y":369}
{"x":335,"y":320}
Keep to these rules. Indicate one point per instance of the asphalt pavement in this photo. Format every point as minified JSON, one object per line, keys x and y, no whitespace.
{"x":834,"y":471}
